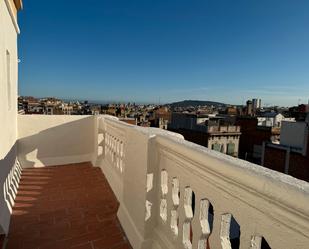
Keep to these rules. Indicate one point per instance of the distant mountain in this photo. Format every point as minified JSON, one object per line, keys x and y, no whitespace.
{"x":194,"y":103}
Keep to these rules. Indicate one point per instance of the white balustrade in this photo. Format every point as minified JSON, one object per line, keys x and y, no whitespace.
{"x":11,"y":184}
{"x":176,"y":194}
{"x":111,"y":144}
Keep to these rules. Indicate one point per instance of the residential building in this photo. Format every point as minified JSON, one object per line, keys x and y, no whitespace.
{"x":252,"y":138}
{"x":206,"y":130}
{"x":67,"y":109}
{"x":291,"y":155}
{"x":256,"y":104}
{"x":161,"y":117}
{"x":272,"y":119}
{"x":253,"y":106}
{"x":299,"y":112}
{"x":303,"y":108}
{"x":231,"y":110}
{"x":249,"y":109}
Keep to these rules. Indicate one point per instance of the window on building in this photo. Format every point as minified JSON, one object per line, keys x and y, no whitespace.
{"x":216,"y":147}
{"x":8,"y":79}
{"x":222,"y":148}
{"x":230,"y":149}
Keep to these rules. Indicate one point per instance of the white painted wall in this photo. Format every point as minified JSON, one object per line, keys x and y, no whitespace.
{"x":45,"y":140}
{"x":8,"y":116}
{"x":8,"y":109}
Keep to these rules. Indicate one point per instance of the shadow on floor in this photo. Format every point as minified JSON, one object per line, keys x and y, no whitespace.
{"x":61,"y":207}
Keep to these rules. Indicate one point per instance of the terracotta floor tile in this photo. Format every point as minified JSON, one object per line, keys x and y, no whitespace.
{"x":68,"y":206}
{"x":85,"y":246}
{"x":109,"y":242}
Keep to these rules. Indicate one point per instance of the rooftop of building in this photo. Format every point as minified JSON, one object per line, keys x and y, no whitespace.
{"x":269,"y":114}
{"x":149,"y":176}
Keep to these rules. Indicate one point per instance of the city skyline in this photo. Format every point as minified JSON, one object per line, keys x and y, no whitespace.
{"x":165,"y":52}
{"x":159,"y":102}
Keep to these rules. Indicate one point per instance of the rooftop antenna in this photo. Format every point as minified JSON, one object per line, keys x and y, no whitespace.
{"x":299,"y":101}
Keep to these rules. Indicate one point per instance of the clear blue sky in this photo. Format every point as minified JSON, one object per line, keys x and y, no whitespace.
{"x":151,"y":50}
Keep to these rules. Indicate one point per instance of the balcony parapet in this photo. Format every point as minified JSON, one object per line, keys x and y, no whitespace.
{"x":176,"y":194}
{"x":173,"y":193}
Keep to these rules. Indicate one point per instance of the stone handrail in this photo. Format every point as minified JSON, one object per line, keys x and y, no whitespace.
{"x":176,"y":194}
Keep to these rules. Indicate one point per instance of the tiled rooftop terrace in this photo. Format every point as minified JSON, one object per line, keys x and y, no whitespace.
{"x":171,"y":193}
{"x":61,"y":207}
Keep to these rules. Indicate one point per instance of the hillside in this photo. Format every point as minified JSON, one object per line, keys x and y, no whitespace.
{"x":194,"y":103}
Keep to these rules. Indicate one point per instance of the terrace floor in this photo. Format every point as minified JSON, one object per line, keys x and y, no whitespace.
{"x":61,"y":207}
